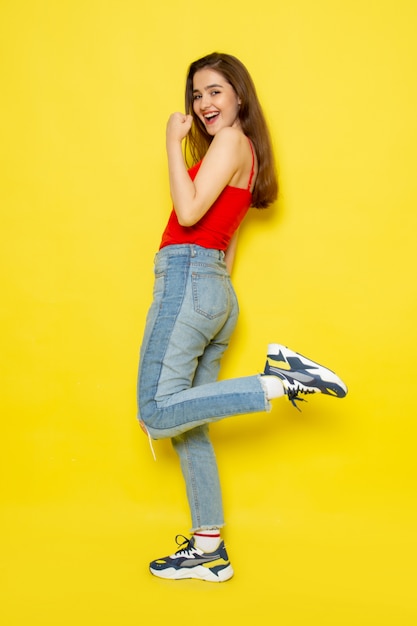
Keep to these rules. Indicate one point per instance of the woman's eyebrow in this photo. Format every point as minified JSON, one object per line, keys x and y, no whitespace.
{"x":208,"y":87}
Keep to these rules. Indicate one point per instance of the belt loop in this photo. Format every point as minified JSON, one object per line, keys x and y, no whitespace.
{"x":193,"y":252}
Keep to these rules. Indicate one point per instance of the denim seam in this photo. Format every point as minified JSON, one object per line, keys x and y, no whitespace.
{"x":202,"y":420}
{"x":169,"y":333}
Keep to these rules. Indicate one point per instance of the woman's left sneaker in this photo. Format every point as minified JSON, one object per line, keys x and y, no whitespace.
{"x":300,"y":375}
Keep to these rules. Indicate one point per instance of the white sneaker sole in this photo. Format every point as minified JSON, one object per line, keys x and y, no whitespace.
{"x":199,"y":572}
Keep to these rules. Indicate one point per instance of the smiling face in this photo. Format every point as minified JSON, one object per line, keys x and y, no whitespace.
{"x":215,"y":102}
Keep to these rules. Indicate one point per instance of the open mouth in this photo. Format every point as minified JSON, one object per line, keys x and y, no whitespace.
{"x":210,"y":118}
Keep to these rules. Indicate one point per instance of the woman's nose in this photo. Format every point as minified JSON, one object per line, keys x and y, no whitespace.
{"x":205,"y":101}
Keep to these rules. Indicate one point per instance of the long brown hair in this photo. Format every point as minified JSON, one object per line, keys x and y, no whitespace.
{"x":251,"y":119}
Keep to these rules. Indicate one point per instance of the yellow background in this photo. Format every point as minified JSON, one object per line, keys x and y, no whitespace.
{"x":320,"y":505}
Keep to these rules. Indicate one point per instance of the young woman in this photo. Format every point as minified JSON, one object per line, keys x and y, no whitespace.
{"x":194,"y":309}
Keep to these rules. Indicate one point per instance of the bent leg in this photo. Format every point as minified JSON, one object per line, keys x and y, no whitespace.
{"x":193,"y":306}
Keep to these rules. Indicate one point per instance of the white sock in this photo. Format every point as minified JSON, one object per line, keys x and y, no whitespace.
{"x":207,"y":540}
{"x":273,"y":387}
{"x":273,"y":348}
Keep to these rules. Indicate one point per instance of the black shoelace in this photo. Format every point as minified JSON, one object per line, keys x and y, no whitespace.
{"x":184,"y":546}
{"x":293,"y":396}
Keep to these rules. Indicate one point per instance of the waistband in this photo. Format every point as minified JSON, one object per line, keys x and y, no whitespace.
{"x":191,"y":250}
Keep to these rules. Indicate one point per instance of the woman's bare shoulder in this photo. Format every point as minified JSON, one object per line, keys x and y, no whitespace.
{"x":229,"y":134}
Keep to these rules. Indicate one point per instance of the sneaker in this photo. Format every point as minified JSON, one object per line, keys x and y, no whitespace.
{"x":191,"y":562}
{"x":300,"y":375}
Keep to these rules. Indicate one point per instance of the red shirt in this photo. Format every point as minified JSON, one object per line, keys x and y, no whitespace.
{"x":216,"y":228}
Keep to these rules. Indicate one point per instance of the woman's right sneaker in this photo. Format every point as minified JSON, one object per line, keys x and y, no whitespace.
{"x":300,"y":375}
{"x":191,"y":562}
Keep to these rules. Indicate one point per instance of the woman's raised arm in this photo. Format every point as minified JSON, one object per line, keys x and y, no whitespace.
{"x":224,"y":158}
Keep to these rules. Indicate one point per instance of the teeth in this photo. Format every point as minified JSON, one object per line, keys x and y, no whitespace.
{"x":210,"y":115}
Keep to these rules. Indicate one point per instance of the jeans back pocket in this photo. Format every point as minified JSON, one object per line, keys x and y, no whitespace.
{"x":210,"y":294}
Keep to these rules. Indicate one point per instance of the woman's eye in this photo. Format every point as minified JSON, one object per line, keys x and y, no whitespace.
{"x":196,"y":96}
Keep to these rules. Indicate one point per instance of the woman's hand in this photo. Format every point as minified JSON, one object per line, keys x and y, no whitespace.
{"x":178,"y":126}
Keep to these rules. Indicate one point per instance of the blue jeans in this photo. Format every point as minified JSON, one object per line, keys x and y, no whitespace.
{"x":188,"y":328}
